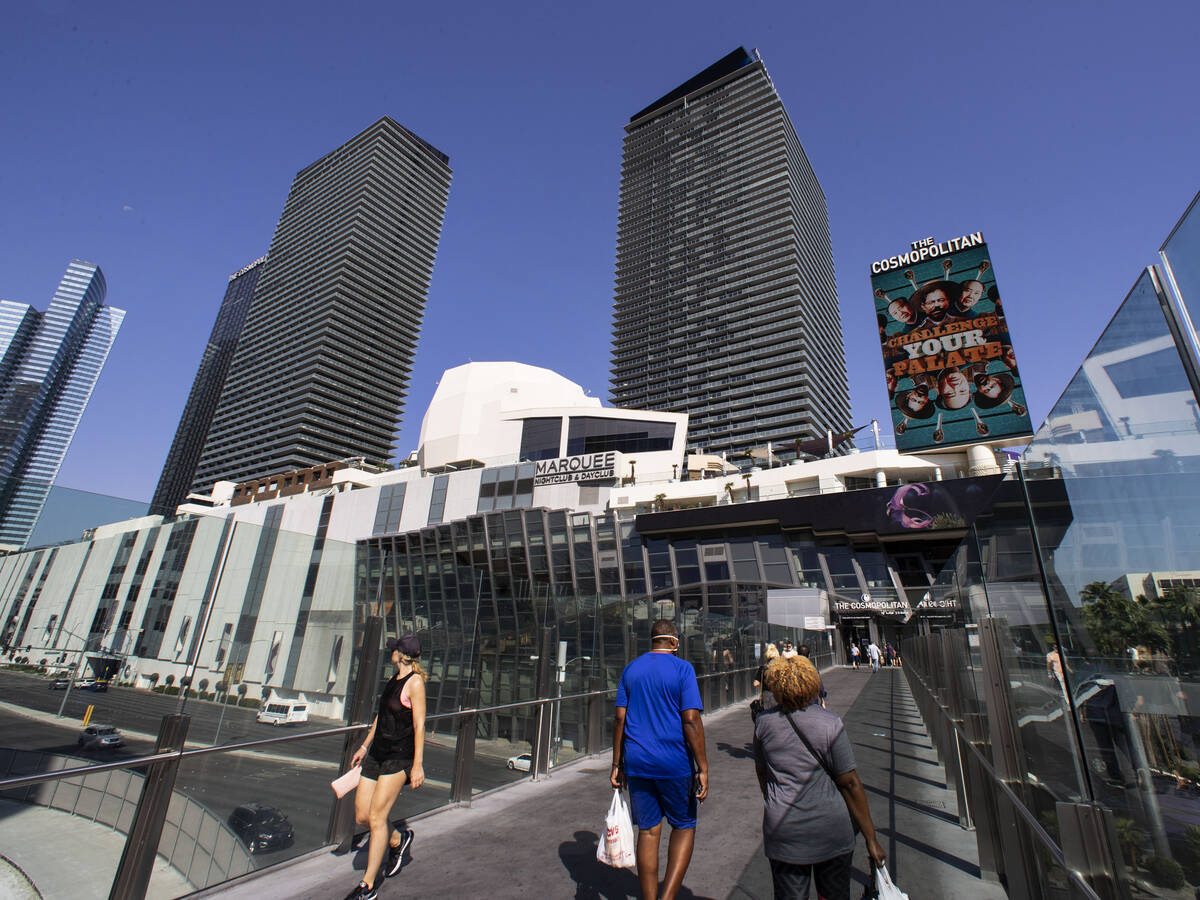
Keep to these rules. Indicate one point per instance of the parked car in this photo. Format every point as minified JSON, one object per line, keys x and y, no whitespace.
{"x":59,"y":684}
{"x":100,"y":737}
{"x":92,"y":684}
{"x":261,"y":827}
{"x":523,"y":762}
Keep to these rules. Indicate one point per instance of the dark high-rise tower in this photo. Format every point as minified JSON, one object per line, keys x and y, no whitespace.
{"x":725,"y":304}
{"x":180,"y":467}
{"x":322,"y":366}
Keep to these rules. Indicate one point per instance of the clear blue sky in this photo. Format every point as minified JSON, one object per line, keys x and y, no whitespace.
{"x":159,"y":140}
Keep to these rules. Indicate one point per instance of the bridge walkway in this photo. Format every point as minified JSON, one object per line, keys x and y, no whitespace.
{"x":538,"y":840}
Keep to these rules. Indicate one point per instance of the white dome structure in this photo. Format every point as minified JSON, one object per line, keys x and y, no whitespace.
{"x":476,"y":411}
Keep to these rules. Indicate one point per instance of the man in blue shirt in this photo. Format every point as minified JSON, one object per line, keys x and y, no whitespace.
{"x":659,"y":730}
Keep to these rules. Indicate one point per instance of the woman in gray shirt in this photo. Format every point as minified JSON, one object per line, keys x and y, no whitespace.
{"x":812,"y":794}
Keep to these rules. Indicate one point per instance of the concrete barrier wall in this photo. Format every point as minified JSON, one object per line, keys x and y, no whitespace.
{"x":196,"y":843}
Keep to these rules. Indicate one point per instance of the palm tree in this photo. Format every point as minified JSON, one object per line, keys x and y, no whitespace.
{"x":1131,"y":837}
{"x":1179,"y":612}
{"x":1117,"y":622}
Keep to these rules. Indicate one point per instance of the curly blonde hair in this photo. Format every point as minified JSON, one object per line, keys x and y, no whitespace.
{"x":793,"y":681}
{"x":772,"y":652}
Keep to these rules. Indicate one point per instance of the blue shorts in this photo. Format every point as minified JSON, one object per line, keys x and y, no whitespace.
{"x":653,"y":798}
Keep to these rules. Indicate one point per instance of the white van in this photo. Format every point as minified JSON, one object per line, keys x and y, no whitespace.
{"x":283,"y":712}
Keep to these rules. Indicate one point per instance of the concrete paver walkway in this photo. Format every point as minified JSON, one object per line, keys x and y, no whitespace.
{"x":914,"y":810}
{"x":539,"y":839}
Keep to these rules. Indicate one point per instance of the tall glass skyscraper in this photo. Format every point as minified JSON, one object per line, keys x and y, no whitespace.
{"x":725,"y":304}
{"x":49,"y":363}
{"x":323,"y":363}
{"x":180,"y":466}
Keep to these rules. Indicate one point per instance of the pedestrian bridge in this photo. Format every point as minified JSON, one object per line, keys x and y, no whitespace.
{"x":538,"y":838}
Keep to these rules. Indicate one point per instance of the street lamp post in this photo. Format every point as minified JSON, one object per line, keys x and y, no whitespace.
{"x":74,"y":675}
{"x":561,"y":676}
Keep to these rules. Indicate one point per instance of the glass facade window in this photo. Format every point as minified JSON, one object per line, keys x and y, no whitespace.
{"x":840,"y":561}
{"x":745,"y":559}
{"x":506,"y":487}
{"x":777,"y":568}
{"x":390,"y":509}
{"x":687,"y":562}
{"x":541,"y":438}
{"x":587,"y":434}
{"x":806,"y":562}
{"x":437,"y":503}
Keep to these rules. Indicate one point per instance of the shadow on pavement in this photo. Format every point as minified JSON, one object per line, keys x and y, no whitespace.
{"x":596,"y":881}
{"x":746,"y":751}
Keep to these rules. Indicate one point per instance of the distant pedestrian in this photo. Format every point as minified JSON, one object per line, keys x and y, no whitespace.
{"x":391,"y":756}
{"x":807,"y":654}
{"x":1055,"y":663}
{"x":772,"y":652}
{"x":855,"y":653}
{"x":875,"y":654}
{"x":804,"y":761}
{"x":788,"y":650}
{"x":889,"y":653}
{"x":658,"y":737}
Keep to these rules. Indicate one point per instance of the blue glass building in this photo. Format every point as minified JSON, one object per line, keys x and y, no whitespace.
{"x":180,"y":465}
{"x":49,"y":363}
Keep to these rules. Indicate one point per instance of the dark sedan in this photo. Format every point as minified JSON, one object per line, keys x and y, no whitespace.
{"x":261,"y":827}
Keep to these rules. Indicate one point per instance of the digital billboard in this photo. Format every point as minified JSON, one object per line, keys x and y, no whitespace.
{"x":951,"y":374}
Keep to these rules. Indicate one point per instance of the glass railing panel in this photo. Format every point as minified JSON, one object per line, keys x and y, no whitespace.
{"x":503,"y":748}
{"x":570,"y":730}
{"x":235,"y":811}
{"x":1113,"y":482}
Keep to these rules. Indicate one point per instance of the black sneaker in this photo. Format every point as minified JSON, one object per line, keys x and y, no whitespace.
{"x":398,"y":856}
{"x":362,"y":892}
{"x":360,"y":840}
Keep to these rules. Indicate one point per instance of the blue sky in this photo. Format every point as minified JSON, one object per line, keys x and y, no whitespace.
{"x":159,"y":140}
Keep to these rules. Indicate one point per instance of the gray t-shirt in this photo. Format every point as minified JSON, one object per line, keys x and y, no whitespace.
{"x":805,"y":819}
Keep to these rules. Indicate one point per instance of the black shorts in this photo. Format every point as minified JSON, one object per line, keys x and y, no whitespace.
{"x":832,"y":876}
{"x":372,"y":768}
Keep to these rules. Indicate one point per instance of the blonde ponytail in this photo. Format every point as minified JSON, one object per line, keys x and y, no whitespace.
{"x":416,"y":666}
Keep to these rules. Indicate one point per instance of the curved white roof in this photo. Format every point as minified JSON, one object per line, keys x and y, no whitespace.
{"x":471,"y":413}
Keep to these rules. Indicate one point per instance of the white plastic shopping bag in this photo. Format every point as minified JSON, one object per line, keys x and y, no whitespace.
{"x":616,"y":847}
{"x":885,"y":888}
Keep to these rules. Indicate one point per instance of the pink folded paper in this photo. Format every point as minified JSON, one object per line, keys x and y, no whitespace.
{"x":344,"y":784}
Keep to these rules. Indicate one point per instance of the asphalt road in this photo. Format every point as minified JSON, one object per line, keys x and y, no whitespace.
{"x":293,"y":777}
{"x":131,"y":709}
{"x":134,"y":710}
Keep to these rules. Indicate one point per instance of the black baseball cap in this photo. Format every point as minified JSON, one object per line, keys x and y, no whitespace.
{"x":409,"y":645}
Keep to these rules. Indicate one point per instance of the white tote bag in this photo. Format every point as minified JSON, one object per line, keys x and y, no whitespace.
{"x":885,"y":888}
{"x":616,"y":847}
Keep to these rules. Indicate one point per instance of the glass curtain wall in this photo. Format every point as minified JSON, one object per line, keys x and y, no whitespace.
{"x":484,"y":592}
{"x":1087,"y":570}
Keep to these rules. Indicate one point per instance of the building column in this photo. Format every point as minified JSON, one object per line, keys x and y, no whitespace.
{"x":981,"y":460}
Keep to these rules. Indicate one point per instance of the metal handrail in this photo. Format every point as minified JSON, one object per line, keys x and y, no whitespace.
{"x":24,"y":780}
{"x":137,"y":761}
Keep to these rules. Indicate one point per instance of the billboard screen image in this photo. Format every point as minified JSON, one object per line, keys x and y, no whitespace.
{"x":951,"y":373}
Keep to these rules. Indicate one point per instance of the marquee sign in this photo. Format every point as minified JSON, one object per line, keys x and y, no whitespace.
{"x":567,"y":469}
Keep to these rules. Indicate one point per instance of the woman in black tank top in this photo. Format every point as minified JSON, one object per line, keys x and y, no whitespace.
{"x":391,"y":756}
